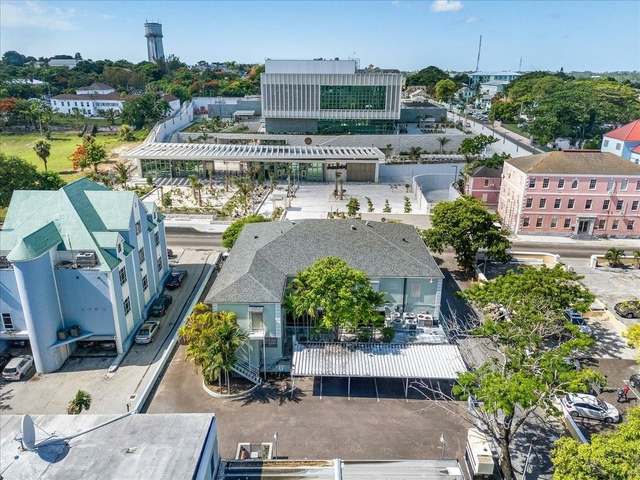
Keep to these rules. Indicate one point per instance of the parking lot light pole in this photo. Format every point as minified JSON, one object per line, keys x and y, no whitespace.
{"x":275,"y":437}
{"x":443,"y":443}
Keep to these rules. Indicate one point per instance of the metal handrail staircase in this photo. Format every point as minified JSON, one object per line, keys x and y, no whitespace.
{"x":245,"y":368}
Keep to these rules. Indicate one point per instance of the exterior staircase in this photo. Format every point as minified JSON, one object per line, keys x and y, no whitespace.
{"x":248,"y":371}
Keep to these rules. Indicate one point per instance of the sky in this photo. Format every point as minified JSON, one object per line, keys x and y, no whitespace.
{"x":574,"y":35}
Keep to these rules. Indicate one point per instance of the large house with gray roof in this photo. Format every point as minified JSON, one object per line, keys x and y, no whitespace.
{"x":580,"y":193}
{"x":84,"y":256}
{"x":267,"y":256}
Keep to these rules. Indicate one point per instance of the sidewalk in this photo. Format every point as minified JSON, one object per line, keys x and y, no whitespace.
{"x":617,"y":242}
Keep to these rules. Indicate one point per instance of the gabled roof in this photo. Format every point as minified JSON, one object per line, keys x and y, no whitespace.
{"x":80,"y":216}
{"x":486,"y":172}
{"x":627,"y":133}
{"x":266,"y":254}
{"x":575,"y":163}
{"x":95,"y":86}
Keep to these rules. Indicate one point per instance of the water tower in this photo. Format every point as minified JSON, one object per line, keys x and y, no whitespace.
{"x":153,"y":32}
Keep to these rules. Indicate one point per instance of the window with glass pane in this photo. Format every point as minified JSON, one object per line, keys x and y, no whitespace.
{"x":634,"y":205}
{"x":561,"y":183}
{"x":567,"y":222}
{"x":156,"y":237}
{"x":352,"y":97}
{"x":545,"y":183}
{"x":619,"y":204}
{"x":602,"y":224}
{"x":127,"y":305}
{"x":574,"y":184}
{"x":554,"y":222}
{"x":630,"y":224}
{"x":256,"y":321}
{"x":615,"y":224}
{"x":145,"y":283}
{"x":610,"y":184}
{"x":7,"y":322}
{"x":123,"y":275}
{"x":605,"y":205}
{"x":624,"y":184}
{"x":141,"y":255}
{"x":539,"y":222}
{"x":543,"y":203}
{"x":529,"y":202}
{"x":138,"y":227}
{"x":532,"y":183}
{"x":571,"y":203}
{"x":525,"y":222}
{"x":592,"y":184}
{"x":587,"y":205}
{"x":557,"y":203}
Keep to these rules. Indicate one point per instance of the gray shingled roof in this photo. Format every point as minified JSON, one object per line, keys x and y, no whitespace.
{"x":575,"y":163}
{"x":486,"y":172}
{"x":266,"y":254}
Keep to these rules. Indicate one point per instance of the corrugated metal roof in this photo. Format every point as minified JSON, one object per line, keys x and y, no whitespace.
{"x":380,"y":360}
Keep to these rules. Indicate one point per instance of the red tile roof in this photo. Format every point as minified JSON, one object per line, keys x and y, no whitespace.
{"x":636,"y":149}
{"x":627,"y":133}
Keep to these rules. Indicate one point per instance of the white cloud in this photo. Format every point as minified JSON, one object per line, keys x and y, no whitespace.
{"x":108,"y":17}
{"x":446,"y":5}
{"x":471,"y":20}
{"x":35,"y":15}
{"x":395,"y":2}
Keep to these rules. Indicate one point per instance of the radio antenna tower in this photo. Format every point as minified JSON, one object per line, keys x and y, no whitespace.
{"x":479,"y":50}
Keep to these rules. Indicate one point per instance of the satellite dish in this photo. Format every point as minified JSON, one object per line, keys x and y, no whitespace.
{"x":28,"y":433}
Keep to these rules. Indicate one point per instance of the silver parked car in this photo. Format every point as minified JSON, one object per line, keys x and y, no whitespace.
{"x":584,"y":405}
{"x":17,"y":367}
{"x":148,"y":331}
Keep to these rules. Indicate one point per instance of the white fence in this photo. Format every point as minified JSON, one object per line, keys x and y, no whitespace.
{"x":163,"y":131}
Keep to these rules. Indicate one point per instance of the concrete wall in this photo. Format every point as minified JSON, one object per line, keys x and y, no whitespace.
{"x":10,"y":299}
{"x":162,"y":132}
{"x":228,"y":109}
{"x":441,"y":175}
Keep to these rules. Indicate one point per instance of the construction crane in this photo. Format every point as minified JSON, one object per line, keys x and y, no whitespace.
{"x":479,"y":50}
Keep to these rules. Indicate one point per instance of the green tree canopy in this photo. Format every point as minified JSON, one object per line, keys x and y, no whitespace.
{"x":477,"y":144}
{"x":534,"y":346}
{"x":445,"y":89}
{"x":428,"y":77}
{"x":231,"y":234}
{"x":466,"y":225}
{"x":609,"y":456}
{"x":146,"y":109}
{"x":334,"y":294}
{"x":18,"y":174}
{"x":43,"y":150}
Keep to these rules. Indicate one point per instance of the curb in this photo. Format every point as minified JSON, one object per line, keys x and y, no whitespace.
{"x":233,"y":395}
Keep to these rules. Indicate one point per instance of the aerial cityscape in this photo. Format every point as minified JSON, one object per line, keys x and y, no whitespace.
{"x":374,"y":240}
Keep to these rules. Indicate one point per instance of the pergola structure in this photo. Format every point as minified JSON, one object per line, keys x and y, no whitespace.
{"x":353,"y":159}
{"x":376,"y":360}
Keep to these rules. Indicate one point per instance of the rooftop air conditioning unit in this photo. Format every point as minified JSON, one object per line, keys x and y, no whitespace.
{"x":86,"y":259}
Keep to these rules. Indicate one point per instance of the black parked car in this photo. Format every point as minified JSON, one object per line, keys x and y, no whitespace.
{"x":160,"y":305}
{"x":175,"y":279}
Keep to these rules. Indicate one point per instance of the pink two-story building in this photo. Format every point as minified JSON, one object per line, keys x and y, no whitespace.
{"x":484,"y":183}
{"x":571,"y":193}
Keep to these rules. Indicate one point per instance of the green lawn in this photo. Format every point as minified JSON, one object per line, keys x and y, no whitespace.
{"x":63,"y":144}
{"x":515,"y":129}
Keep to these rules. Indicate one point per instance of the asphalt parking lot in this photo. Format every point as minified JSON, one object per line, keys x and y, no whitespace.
{"x":50,"y":393}
{"x":319,"y":428}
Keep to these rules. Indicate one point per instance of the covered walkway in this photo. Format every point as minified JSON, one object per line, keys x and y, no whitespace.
{"x":376,"y":360}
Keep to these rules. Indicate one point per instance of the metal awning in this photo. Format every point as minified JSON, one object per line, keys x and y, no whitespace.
{"x":377,"y":360}
{"x":244,"y":113}
{"x":256,"y":153}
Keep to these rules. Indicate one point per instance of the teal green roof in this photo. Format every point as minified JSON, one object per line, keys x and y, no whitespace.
{"x":36,"y":244}
{"x":85,"y":216}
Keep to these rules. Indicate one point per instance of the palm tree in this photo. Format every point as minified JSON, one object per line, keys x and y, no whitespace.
{"x":196,"y":188}
{"x":415,"y":152}
{"x":443,"y":141}
{"x":43,"y":150}
{"x":613,"y":256}
{"x":123,"y":173}
{"x":82,"y":401}
{"x":213,"y":339}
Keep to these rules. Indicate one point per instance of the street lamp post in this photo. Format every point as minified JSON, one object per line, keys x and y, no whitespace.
{"x":275,"y":437}
{"x":443,"y":444}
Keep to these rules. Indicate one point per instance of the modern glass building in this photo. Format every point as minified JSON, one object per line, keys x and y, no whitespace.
{"x":329,"y":97}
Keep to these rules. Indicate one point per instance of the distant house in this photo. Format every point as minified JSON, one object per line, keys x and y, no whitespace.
{"x":624,"y":141}
{"x":63,"y":62}
{"x":84,"y":259}
{"x":91,"y":100}
{"x":571,"y":193}
{"x":267,"y":256}
{"x":491,"y":77}
{"x":484,"y":183}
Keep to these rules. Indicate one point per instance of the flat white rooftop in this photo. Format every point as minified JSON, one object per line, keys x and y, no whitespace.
{"x":214,"y":151}
{"x":135,"y":446}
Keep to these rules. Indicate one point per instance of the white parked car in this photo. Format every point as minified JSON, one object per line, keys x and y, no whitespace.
{"x":584,"y":405}
{"x":17,"y":367}
{"x":147,"y":332}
